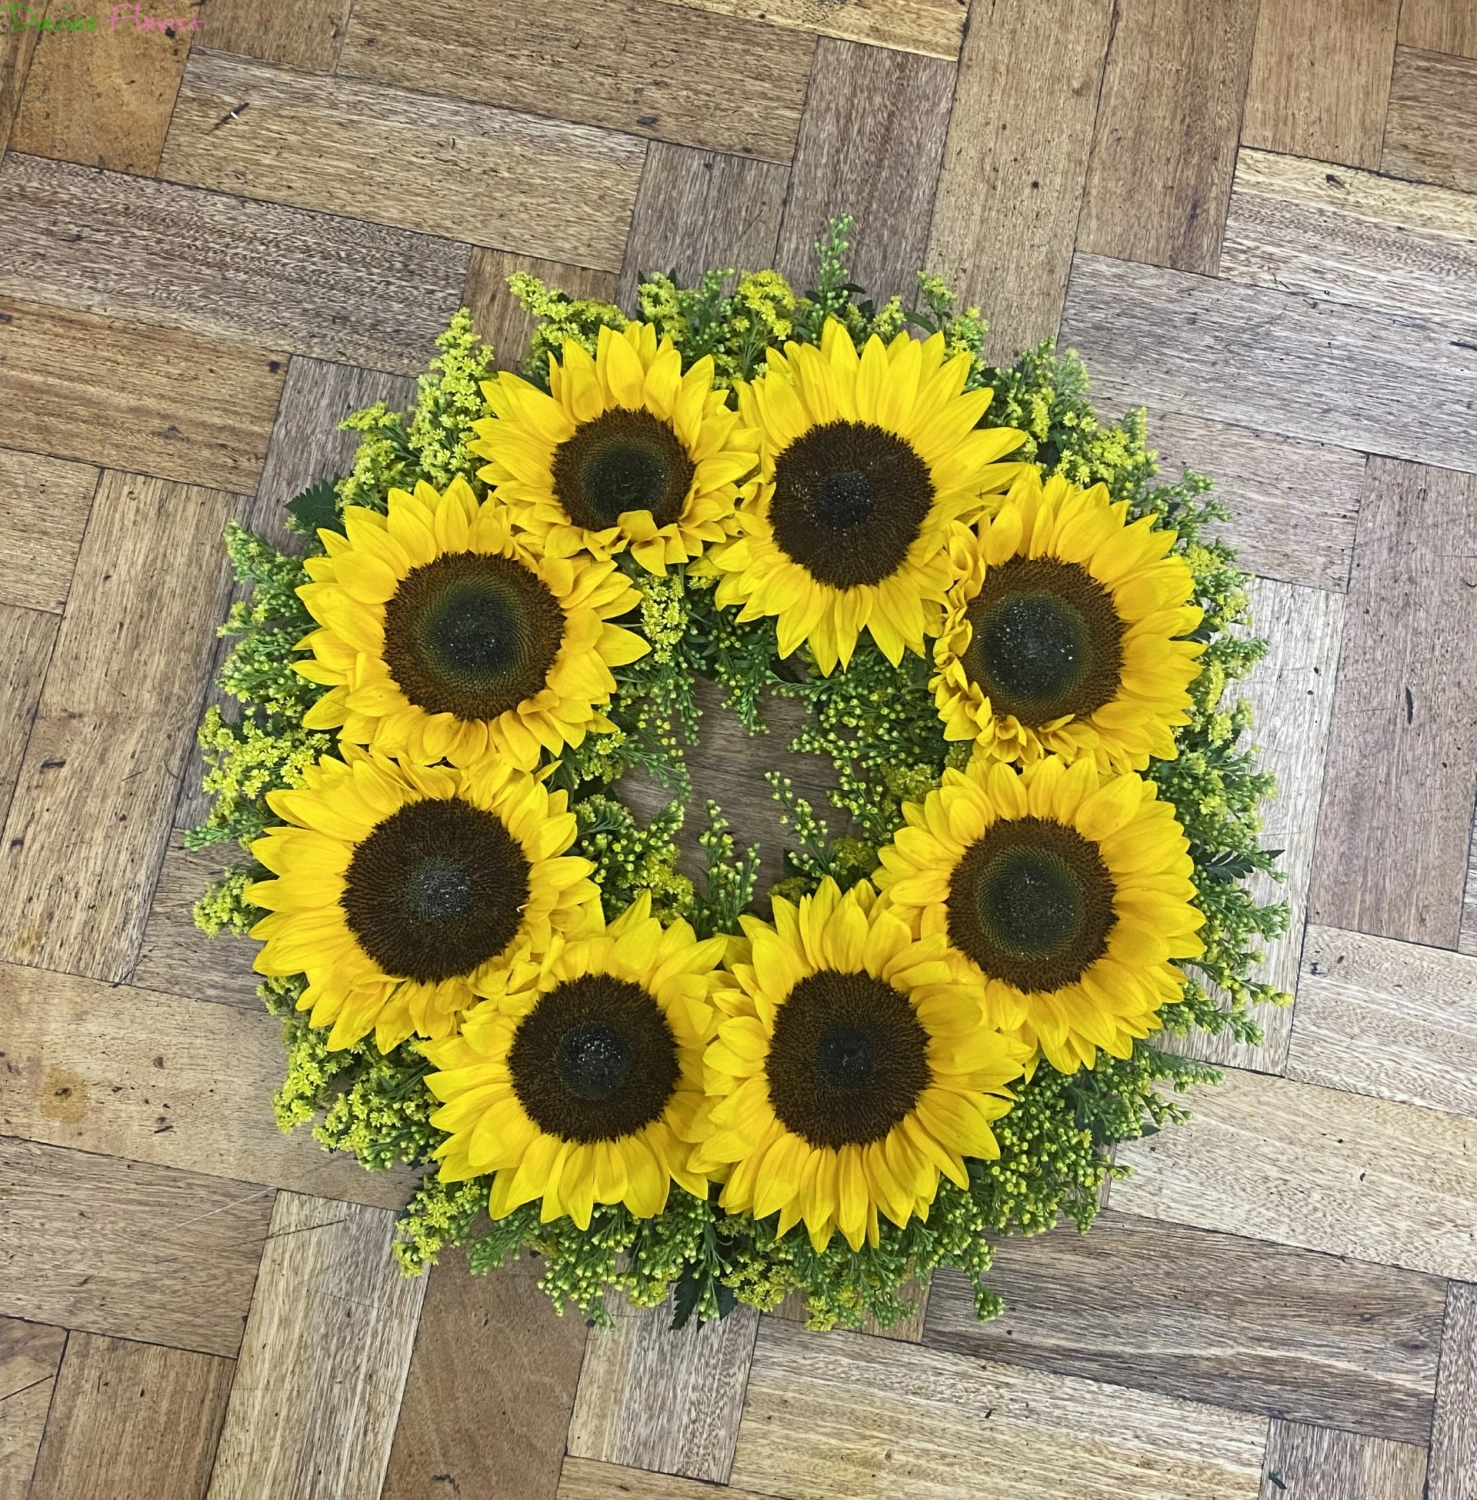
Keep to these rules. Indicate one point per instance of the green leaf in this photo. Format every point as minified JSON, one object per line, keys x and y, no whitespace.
{"x":314,"y":507}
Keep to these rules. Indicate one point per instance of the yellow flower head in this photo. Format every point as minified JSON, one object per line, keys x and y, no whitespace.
{"x":402,"y":889}
{"x":850,"y":1068}
{"x":580,"y":1086}
{"x":1066,"y":890}
{"x":625,"y":451}
{"x":445,"y":635}
{"x":1061,"y":632}
{"x":867,"y":460}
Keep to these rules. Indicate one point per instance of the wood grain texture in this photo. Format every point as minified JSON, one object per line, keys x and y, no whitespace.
{"x":1015,"y":162}
{"x":909,"y":1328}
{"x":1318,"y":1168}
{"x":871,"y":144}
{"x":108,"y":744}
{"x":1385,"y":1018}
{"x":1439,"y":26}
{"x":1167,"y":123}
{"x":102,"y":99}
{"x":1315,"y":1463}
{"x":698,"y":210}
{"x":1320,"y":79}
{"x":1453,"y":1471}
{"x":528,"y":1363}
{"x":131,"y":1421}
{"x":1210,"y":1317}
{"x":1291,"y":694}
{"x":933,"y":27}
{"x":228,"y":268}
{"x":498,"y":315}
{"x":640,"y":66}
{"x":128,"y":1249}
{"x":1467,"y":941}
{"x":44,"y":505}
{"x":581,"y":1479}
{"x":145,"y":400}
{"x":306,"y":34}
{"x":1352,"y":236}
{"x":842,"y":1414}
{"x":1393,"y":837}
{"x":654,"y":1399}
{"x":26,"y":638}
{"x":323,"y":1362}
{"x":161,"y":1078}
{"x":431,"y":164}
{"x":30,"y":1354}
{"x":1431,"y":129}
{"x":1375,"y":380}
{"x":16,"y":50}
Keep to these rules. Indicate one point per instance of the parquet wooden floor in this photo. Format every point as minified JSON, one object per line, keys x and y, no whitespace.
{"x":1259,"y":219}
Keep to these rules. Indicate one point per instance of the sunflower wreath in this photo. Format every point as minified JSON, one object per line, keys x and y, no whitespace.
{"x":1012,"y":645}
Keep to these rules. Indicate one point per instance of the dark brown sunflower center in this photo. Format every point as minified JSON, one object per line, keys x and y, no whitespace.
{"x":436,"y":890}
{"x":594,"y":1060}
{"x":848,"y":1059}
{"x":1031,"y":903}
{"x":849,"y":501}
{"x":472,"y":635}
{"x":623,"y":460}
{"x":1046,"y":640}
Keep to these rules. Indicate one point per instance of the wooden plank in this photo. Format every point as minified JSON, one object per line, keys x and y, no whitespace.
{"x":1316,"y":1463}
{"x":1467,"y":941}
{"x":132,"y":1422}
{"x":1015,"y":163}
{"x":30,"y":1354}
{"x":146,"y":400}
{"x":528,"y":1363}
{"x":1439,"y":26}
{"x":1389,"y":1019}
{"x":307,"y":34}
{"x":323,"y":1362}
{"x":1453,"y":1473}
{"x":1431,"y":130}
{"x":224,"y":267}
{"x":44,"y":505}
{"x":1326,"y":1170}
{"x":89,"y":820}
{"x":26,"y":638}
{"x":1210,"y":1317}
{"x":932,"y":27}
{"x":636,"y":65}
{"x":105,"y":102}
{"x":1320,"y":79}
{"x":127,"y":1248}
{"x":1351,"y":236}
{"x":1291,"y":694}
{"x":1402,"y":758}
{"x":16,"y":49}
{"x":841,"y":1414}
{"x":654,"y":1399}
{"x":161,"y":1078}
{"x":1167,"y":123}
{"x":434,"y":165}
{"x":1377,"y":381}
{"x":499,"y":317}
{"x":871,"y":143}
{"x":582,"y":1480}
{"x":700,"y":211}
{"x":908,"y":1329}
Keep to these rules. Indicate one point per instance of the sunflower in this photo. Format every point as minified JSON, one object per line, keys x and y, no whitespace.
{"x":1066,"y":889}
{"x":581,"y":1086}
{"x":401,"y":888}
{"x":866,"y":461}
{"x":626,"y":451}
{"x":444,"y":635}
{"x":850,"y":1068}
{"x":1062,"y":632}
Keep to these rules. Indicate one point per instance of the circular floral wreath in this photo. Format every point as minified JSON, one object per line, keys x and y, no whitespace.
{"x":1012,"y":646}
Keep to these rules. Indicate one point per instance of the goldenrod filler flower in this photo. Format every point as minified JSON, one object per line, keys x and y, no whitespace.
{"x":1062,"y":632}
{"x":1067,"y":891}
{"x":581,"y":1086}
{"x":850,"y":1068}
{"x":867,"y":460}
{"x":625,"y":451}
{"x":401,"y":889}
{"x":446,"y":635}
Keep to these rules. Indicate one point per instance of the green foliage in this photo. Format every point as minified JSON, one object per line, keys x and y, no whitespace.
{"x":559,"y":317}
{"x":736,"y":327}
